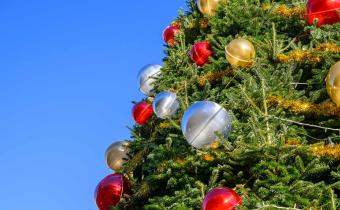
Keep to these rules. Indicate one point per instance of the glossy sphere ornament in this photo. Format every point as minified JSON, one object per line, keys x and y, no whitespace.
{"x":147,"y":77}
{"x":142,"y":112}
{"x":324,"y":11}
{"x":207,"y":7}
{"x":169,"y":34}
{"x":201,"y":122}
{"x":200,"y":53}
{"x":110,"y":190}
{"x":165,"y":104}
{"x":116,"y":154}
{"x":221,"y":198}
{"x":240,"y":52}
{"x":333,"y":83}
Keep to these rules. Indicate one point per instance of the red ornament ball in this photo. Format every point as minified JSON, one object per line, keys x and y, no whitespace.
{"x":325,"y":11}
{"x":169,"y":34}
{"x":110,"y":190}
{"x":200,"y":53}
{"x":142,"y":112}
{"x":221,"y":198}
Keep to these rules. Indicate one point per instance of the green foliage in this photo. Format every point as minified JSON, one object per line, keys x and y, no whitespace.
{"x":166,"y":173}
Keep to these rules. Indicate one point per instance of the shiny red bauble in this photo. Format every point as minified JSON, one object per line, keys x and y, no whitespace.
{"x":110,"y":190}
{"x":221,"y":198}
{"x":325,"y":11}
{"x":142,"y":112}
{"x":200,"y":53}
{"x":169,"y":34}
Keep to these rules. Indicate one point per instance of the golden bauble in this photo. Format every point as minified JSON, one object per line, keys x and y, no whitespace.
{"x":240,"y":52}
{"x":333,"y":83}
{"x":116,"y":154}
{"x":207,"y":7}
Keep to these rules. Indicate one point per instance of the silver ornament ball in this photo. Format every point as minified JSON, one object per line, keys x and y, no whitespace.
{"x":165,"y":104}
{"x":202,"y":120}
{"x":146,"y":78}
{"x":116,"y":154}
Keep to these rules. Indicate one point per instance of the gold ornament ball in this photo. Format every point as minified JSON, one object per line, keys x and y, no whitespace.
{"x":115,"y":155}
{"x":240,"y":52}
{"x":333,"y":83}
{"x":207,"y":7}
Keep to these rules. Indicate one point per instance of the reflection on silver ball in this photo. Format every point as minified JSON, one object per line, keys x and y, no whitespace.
{"x":202,"y":120}
{"x":146,"y":78}
{"x":115,"y":155}
{"x":165,"y":104}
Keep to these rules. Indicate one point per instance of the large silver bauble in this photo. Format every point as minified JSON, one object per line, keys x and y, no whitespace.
{"x":201,"y":122}
{"x":165,"y":104}
{"x":146,"y":78}
{"x":116,"y":154}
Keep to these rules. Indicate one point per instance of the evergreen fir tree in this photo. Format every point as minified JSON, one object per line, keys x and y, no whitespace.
{"x":283,"y":151}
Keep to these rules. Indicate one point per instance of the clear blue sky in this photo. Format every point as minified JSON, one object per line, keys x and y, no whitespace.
{"x":67,"y":78}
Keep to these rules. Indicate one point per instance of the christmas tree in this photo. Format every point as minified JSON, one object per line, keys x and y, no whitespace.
{"x":270,"y":68}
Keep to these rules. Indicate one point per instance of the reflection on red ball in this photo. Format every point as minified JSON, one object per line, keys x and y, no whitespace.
{"x":221,"y":198}
{"x":200,"y":53}
{"x":142,"y":112}
{"x":169,"y":34}
{"x":325,"y":11}
{"x":110,"y":190}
